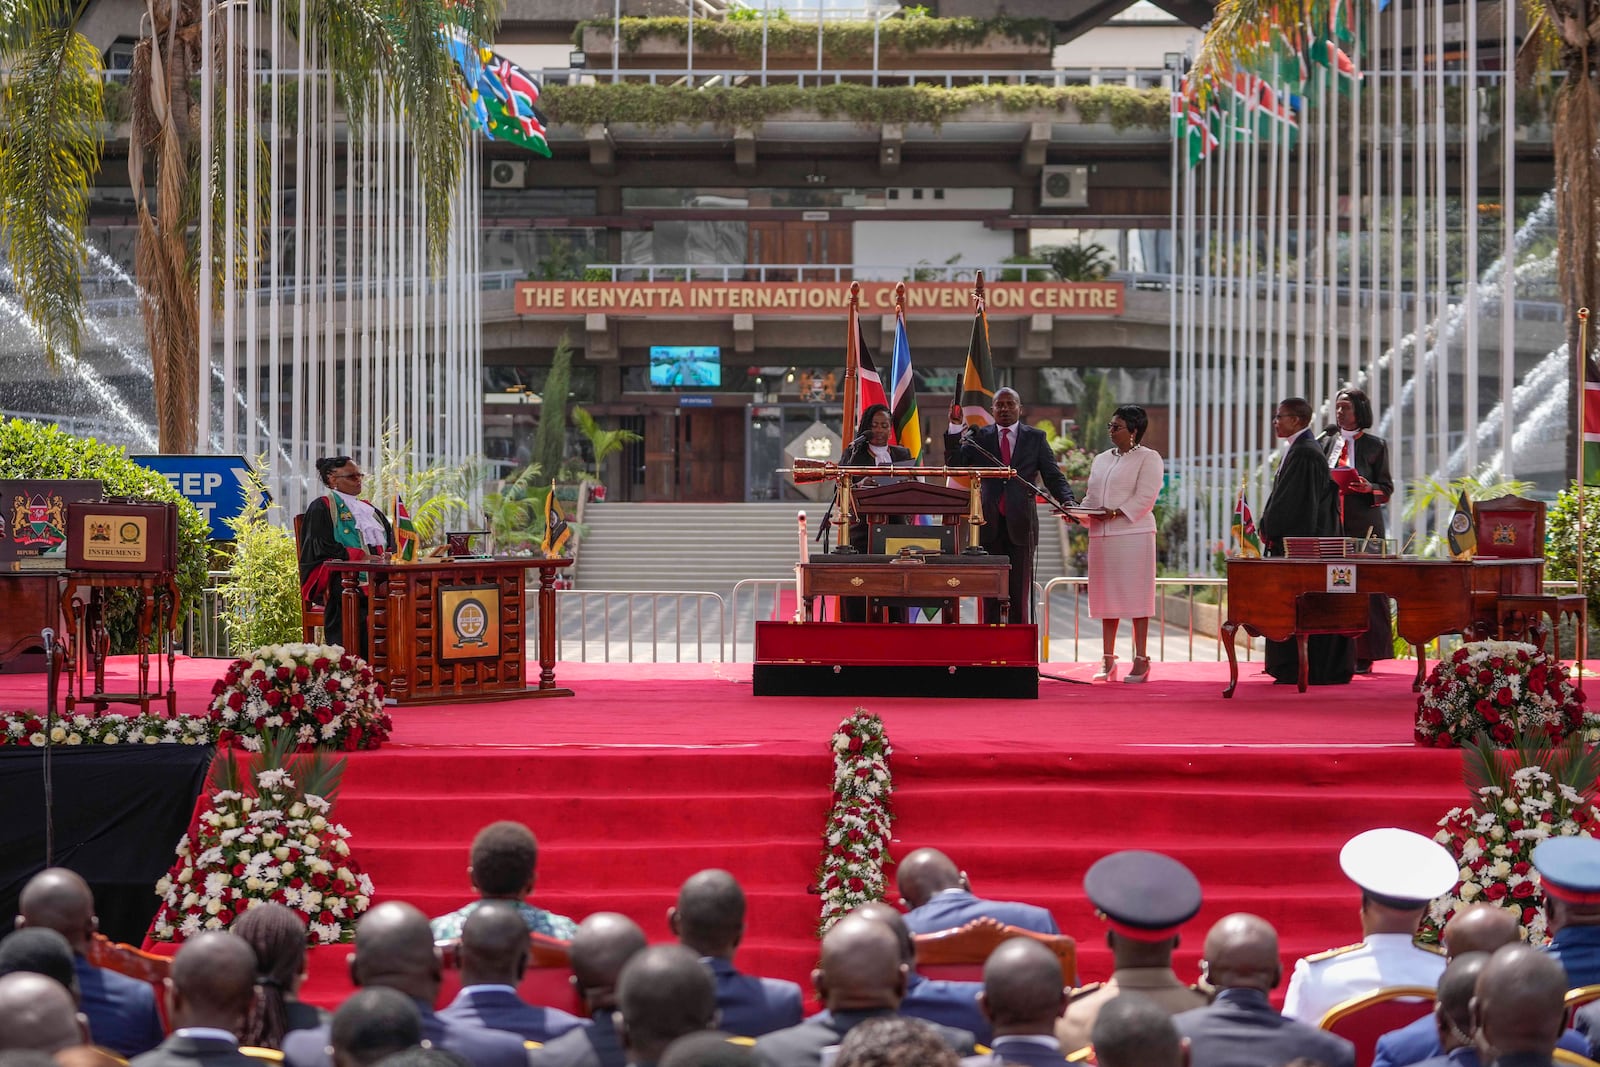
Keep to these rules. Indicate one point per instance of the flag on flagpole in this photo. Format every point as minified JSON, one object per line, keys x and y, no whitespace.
{"x":976,"y":398}
{"x":903,"y":387}
{"x":1244,"y":529}
{"x":871,"y":382}
{"x":405,"y":533}
{"x":1463,"y":537}
{"x":556,"y":530}
{"x":1591,"y":420}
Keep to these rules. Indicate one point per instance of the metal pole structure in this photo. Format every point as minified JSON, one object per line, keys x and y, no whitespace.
{"x":852,"y":363}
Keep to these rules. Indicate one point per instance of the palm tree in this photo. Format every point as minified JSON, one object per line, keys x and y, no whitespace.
{"x":52,"y":109}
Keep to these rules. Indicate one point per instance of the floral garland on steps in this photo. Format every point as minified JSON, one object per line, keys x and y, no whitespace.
{"x":856,"y":838}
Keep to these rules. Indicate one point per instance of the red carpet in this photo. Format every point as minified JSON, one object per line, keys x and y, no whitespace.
{"x":654,"y":771}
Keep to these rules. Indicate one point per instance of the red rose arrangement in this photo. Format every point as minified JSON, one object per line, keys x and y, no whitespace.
{"x":1503,"y":689}
{"x":856,"y":839}
{"x":324,"y":696}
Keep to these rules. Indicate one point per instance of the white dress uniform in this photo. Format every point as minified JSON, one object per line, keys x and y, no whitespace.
{"x":1328,"y":979}
{"x":1399,"y":867}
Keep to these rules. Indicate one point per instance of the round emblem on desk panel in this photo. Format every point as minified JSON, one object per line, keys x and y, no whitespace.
{"x":470,"y":622}
{"x":1460,"y":523}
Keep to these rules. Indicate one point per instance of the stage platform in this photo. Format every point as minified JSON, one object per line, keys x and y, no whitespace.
{"x":653,"y":771}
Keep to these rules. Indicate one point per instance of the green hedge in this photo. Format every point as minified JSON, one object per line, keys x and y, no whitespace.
{"x":842,"y":40}
{"x":37,"y":450}
{"x":660,"y":106}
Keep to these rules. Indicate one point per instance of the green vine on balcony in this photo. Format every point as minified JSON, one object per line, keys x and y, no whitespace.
{"x":660,"y":106}
{"x":841,"y":40}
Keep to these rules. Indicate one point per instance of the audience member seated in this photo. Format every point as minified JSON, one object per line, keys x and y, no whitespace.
{"x":1452,"y":1012}
{"x":1240,"y":1028}
{"x":862,"y":976}
{"x":711,"y":1048}
{"x":1569,"y":869}
{"x":503,"y":861}
{"x":709,"y":920}
{"x":664,"y":993}
{"x":373,"y":1024}
{"x":1132,"y":1030}
{"x":948,"y":1003}
{"x":39,"y":951}
{"x":603,"y":945}
{"x":1476,"y":928}
{"x":1144,"y":898}
{"x":1023,"y":994}
{"x":1518,"y":1010}
{"x":37,"y":1012}
{"x":121,"y":1010}
{"x":494,"y":957}
{"x":278,"y":937}
{"x":424,"y":1055}
{"x":1398,"y":872}
{"x":895,"y":1041}
{"x":940,"y":897}
{"x":210,"y":989}
{"x":393,"y":948}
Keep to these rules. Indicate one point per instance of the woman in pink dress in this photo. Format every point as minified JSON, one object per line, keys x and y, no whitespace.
{"x":1124,"y":481}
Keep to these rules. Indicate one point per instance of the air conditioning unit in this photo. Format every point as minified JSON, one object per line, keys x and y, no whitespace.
{"x":1064,"y":186}
{"x":508,"y":174}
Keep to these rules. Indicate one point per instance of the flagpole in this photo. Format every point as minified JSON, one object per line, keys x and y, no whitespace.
{"x":852,"y":363}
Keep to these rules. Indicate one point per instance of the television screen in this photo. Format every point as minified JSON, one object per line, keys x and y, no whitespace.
{"x":691,"y":366}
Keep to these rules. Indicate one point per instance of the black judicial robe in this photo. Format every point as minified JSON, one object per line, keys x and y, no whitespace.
{"x":1304,"y":502}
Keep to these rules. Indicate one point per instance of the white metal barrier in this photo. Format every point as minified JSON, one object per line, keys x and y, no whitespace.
{"x":574,"y":606}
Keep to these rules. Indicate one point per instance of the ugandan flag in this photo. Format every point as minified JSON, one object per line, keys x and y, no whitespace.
{"x":405,"y":533}
{"x":557,"y":532}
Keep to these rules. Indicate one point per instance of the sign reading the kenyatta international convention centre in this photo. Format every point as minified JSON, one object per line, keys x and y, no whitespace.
{"x":789,"y":299}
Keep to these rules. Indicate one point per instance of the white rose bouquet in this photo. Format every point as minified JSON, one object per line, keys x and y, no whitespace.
{"x":856,"y":840}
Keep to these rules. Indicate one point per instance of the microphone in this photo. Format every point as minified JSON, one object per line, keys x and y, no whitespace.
{"x":49,"y":636}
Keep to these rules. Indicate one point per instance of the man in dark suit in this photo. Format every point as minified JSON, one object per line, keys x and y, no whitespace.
{"x":603,"y":945}
{"x":394,"y":948}
{"x":939,"y":896}
{"x":372,"y":1024}
{"x":1010,"y":513}
{"x":1132,"y":1030}
{"x":494,"y":957}
{"x":952,"y":1004}
{"x":709,"y":920}
{"x":664,"y":993}
{"x":37,"y":1014}
{"x":1304,"y":502}
{"x":1023,"y":994}
{"x":861,"y":976}
{"x":1240,"y":1028}
{"x":210,"y":989}
{"x":1451,"y":1016}
{"x":1518,"y":1008}
{"x":121,"y":1010}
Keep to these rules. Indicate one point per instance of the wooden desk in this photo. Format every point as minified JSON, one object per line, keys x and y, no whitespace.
{"x":91,"y":643}
{"x":454,"y":631}
{"x":1432,"y":597}
{"x":945,"y":578}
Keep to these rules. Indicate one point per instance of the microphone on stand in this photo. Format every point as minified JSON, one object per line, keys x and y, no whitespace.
{"x":50,"y":666}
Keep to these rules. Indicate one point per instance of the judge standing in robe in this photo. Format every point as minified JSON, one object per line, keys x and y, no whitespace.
{"x":340,"y":526}
{"x":1304,"y":502}
{"x":1349,"y":446}
{"x":871,"y":448}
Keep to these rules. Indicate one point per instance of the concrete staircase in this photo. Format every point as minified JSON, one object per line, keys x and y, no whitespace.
{"x":712,"y":546}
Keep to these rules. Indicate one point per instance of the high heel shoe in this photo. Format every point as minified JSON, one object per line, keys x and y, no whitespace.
{"x":1107,"y":671}
{"x":1141,"y":671}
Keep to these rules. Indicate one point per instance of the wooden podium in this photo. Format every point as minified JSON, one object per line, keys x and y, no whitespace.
{"x":454,"y":631}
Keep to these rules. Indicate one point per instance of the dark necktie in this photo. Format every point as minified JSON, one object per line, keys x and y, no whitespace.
{"x":1005,"y":458}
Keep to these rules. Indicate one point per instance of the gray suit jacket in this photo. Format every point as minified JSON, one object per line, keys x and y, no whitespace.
{"x":801,"y":1046}
{"x":194,"y":1052}
{"x":1241,"y":1029}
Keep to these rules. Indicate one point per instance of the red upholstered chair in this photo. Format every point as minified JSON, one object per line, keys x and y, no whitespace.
{"x":958,"y":954}
{"x":311,"y":616}
{"x":1512,"y":527}
{"x":133,"y":962}
{"x":547,"y":983}
{"x":1577,"y":998}
{"x":1362,"y":1020}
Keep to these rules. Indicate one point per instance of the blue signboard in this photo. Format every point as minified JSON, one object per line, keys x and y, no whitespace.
{"x":218,"y":485}
{"x":692,"y":400}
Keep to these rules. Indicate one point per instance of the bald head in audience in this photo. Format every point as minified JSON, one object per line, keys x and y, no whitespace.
{"x":924,"y":872}
{"x":888,"y":915}
{"x":1478,"y":928}
{"x":372,"y":1024}
{"x":37,"y":1012}
{"x":709,"y":916}
{"x":1242,"y":953}
{"x":1518,"y":1003}
{"x":861,"y":968}
{"x":212,"y":982}
{"x":664,"y":992}
{"x":603,"y":945}
{"x":1452,"y":1008}
{"x":1133,"y":1031}
{"x":1023,"y":988}
{"x":494,"y":945}
{"x":60,"y":900}
{"x":394,"y":948}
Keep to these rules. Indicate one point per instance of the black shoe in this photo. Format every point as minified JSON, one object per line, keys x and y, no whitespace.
{"x":1363,"y":666}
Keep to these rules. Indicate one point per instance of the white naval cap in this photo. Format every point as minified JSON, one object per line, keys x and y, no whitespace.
{"x":1398,"y":864}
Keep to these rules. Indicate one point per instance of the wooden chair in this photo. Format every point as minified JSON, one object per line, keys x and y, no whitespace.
{"x":125,"y":959}
{"x":1362,"y":1020}
{"x":958,"y":954}
{"x":1082,"y":1055}
{"x":548,"y":981}
{"x":311,"y":616}
{"x":1339,"y":614}
{"x":1577,"y":998}
{"x":1513,"y":527}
